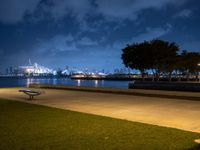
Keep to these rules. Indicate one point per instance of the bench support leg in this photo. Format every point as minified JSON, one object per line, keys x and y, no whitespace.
{"x":31,"y":97}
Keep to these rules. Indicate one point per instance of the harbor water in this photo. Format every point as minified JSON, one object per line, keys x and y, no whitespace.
{"x":24,"y":82}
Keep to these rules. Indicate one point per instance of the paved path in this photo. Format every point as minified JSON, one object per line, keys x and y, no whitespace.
{"x":181,"y":114}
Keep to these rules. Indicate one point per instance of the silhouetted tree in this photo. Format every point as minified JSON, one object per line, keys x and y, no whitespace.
{"x":163,"y":56}
{"x":135,"y":56}
{"x":188,"y":63}
{"x":157,"y":55}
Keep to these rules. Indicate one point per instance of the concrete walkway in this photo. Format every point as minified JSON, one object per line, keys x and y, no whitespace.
{"x":181,"y":114}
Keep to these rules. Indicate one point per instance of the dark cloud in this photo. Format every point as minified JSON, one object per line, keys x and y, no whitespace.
{"x":183,"y":13}
{"x":60,"y":8}
{"x":13,"y":11}
{"x":91,"y":32}
{"x":130,"y":9}
{"x":152,"y":33}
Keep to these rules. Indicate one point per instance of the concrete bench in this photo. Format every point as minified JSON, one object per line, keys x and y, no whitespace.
{"x":31,"y":93}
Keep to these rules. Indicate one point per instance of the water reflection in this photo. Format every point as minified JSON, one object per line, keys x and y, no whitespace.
{"x":79,"y":82}
{"x":29,"y":81}
{"x":54,"y":81}
{"x":24,"y":82}
{"x":102,"y":82}
{"x":96,"y":83}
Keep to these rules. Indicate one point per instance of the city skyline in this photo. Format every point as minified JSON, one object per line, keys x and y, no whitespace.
{"x":67,"y":70}
{"x":91,"y":33}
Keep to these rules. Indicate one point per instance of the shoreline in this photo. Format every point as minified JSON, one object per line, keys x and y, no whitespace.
{"x":109,"y":78}
{"x":169,"y":86}
{"x":136,"y":92}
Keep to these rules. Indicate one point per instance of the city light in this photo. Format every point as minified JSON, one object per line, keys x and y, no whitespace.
{"x":34,"y":69}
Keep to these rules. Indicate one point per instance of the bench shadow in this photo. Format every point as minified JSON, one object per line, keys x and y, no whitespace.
{"x":197,"y":147}
{"x":23,"y":98}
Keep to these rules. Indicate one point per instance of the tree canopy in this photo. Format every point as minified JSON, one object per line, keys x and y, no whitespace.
{"x":135,"y":56}
{"x":161,"y":57}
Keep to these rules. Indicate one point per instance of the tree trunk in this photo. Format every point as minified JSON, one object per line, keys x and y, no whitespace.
{"x":153,"y":78}
{"x":170,"y":76}
{"x":129,"y":72}
{"x":142,"y":74}
{"x":197,"y":76}
{"x":158,"y":76}
{"x":179,"y":78}
{"x":188,"y":75}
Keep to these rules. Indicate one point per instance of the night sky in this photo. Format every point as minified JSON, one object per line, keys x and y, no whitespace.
{"x":91,"y":33}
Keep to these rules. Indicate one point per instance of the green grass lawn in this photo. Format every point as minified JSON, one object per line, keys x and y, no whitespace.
{"x":29,"y":127}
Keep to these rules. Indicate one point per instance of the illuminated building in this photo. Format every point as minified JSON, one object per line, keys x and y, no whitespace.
{"x":34,"y":69}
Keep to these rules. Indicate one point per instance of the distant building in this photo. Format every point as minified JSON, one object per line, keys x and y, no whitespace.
{"x":34,"y":69}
